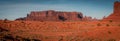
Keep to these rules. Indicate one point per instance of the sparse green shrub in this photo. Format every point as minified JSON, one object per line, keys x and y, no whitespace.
{"x":98,"y":24}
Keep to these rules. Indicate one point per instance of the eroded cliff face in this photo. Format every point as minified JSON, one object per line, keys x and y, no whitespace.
{"x":52,"y":15}
{"x":115,"y":16}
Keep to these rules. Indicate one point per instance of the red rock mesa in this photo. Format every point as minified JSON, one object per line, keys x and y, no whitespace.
{"x":115,"y":16}
{"x":52,"y":15}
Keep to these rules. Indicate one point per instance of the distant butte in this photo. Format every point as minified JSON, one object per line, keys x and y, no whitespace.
{"x":115,"y":16}
{"x":51,"y":15}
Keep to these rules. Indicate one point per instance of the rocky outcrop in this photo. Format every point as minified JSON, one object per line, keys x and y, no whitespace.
{"x":86,"y":18}
{"x":115,"y":16}
{"x":52,"y":15}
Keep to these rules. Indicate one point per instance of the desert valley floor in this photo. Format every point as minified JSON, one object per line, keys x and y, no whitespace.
{"x":59,"y":31}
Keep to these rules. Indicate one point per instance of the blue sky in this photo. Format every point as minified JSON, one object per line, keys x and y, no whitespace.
{"x":12,"y":9}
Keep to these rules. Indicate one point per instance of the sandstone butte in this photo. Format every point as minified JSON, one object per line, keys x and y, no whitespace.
{"x":52,"y":15}
{"x":32,"y":29}
{"x":115,"y":16}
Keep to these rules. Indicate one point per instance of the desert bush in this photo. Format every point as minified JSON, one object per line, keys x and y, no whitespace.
{"x":1,"y":39}
{"x":109,"y":32}
{"x":36,"y":40}
{"x":98,"y":24}
{"x":87,"y":39}
{"x":61,"y":38}
{"x":46,"y":37}
{"x":8,"y":37}
{"x":111,"y":40}
{"x":17,"y":37}
{"x":26,"y":39}
{"x":97,"y":39}
{"x":75,"y":39}
{"x":22,"y":22}
{"x":119,"y":25}
{"x":110,"y":21}
{"x":107,"y":25}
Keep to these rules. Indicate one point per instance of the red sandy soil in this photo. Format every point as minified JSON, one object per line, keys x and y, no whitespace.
{"x":63,"y":31}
